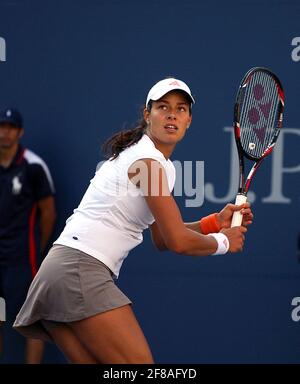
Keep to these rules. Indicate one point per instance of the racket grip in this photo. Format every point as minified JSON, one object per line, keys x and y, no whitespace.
{"x":237,"y":217}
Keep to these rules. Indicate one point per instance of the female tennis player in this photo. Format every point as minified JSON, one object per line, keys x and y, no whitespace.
{"x":73,"y":300}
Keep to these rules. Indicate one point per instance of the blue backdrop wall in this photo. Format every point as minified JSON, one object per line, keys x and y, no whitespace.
{"x":79,"y":70}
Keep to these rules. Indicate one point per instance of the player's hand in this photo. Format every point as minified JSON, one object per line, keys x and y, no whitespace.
{"x":224,"y":217}
{"x":236,"y":238}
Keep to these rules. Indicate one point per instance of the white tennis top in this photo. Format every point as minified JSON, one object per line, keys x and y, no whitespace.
{"x":112,"y":214}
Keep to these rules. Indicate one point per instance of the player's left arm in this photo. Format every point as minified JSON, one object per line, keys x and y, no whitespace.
{"x":157,"y":239}
{"x":223,"y":221}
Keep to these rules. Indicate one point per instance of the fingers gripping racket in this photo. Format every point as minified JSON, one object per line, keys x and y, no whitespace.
{"x":258,"y":114}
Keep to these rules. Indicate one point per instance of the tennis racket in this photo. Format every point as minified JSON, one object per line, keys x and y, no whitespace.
{"x":258,"y":115}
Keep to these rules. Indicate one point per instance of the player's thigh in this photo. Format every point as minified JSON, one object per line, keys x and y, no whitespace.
{"x":114,"y":337}
{"x":65,"y":339}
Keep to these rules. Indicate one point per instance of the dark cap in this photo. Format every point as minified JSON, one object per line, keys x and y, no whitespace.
{"x":12,"y":116}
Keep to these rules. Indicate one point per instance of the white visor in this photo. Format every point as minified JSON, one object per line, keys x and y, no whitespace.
{"x":165,"y":86}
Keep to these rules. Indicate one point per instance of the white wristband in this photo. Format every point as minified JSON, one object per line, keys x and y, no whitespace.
{"x":223,"y":243}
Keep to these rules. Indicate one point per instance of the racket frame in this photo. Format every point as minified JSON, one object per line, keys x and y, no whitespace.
{"x":244,"y":185}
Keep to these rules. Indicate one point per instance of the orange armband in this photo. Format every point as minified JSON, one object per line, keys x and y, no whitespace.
{"x":209,"y":224}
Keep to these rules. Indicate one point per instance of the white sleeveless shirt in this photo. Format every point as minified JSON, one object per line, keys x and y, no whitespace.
{"x":112,"y":214}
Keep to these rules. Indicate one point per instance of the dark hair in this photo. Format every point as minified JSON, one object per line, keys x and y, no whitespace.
{"x":125,"y":138}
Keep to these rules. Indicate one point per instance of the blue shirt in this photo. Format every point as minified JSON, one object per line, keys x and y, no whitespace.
{"x":22,"y":184}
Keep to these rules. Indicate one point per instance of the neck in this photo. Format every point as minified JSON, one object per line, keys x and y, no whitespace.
{"x":7,"y":155}
{"x":165,"y":149}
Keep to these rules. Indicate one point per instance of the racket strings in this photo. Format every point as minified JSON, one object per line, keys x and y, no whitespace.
{"x":259,"y":113}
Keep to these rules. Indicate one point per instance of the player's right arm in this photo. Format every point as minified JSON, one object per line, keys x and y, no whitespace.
{"x":149,"y":175}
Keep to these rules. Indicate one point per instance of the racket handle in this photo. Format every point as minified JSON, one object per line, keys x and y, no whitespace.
{"x":237,"y":217}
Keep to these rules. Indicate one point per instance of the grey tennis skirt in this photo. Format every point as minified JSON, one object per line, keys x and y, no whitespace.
{"x":69,"y":286}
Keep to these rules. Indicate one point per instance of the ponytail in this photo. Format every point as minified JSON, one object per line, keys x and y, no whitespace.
{"x":124,"y":139}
